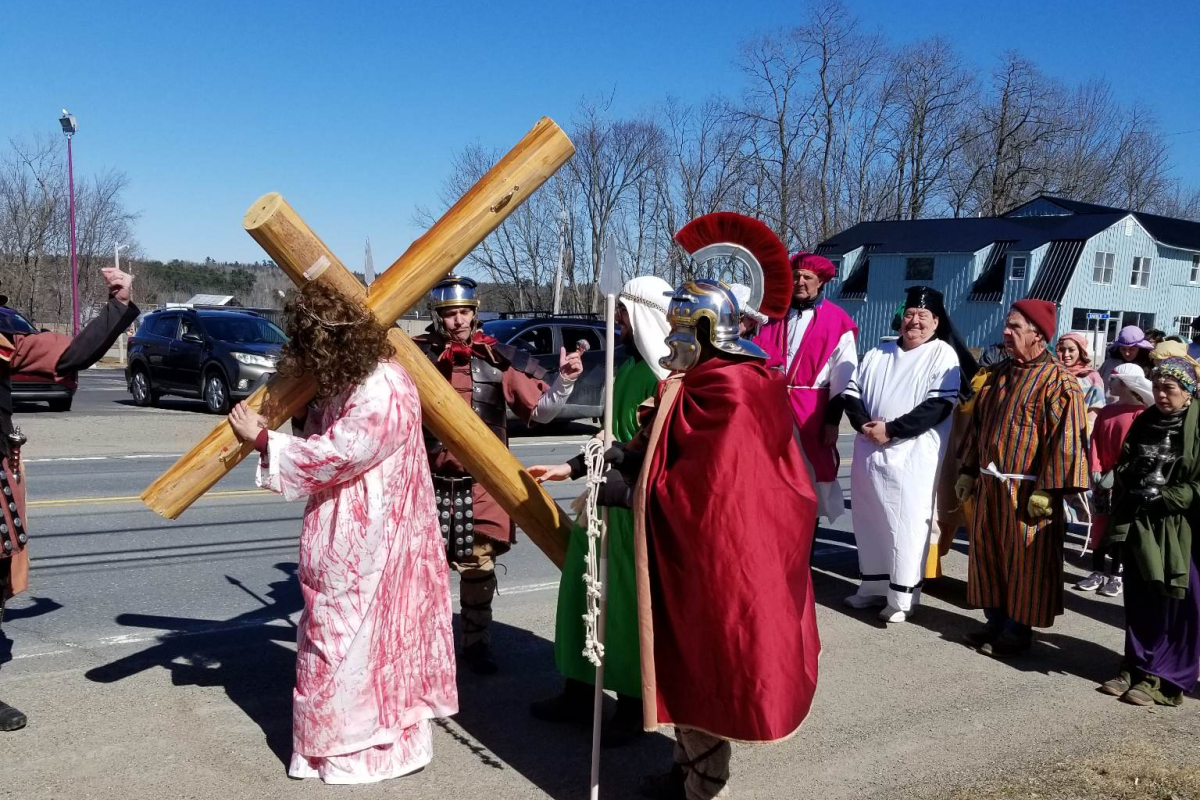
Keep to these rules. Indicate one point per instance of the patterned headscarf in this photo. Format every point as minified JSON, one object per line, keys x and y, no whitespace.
{"x":1180,"y":370}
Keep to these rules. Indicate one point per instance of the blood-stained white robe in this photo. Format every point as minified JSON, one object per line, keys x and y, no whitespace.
{"x":375,"y":650}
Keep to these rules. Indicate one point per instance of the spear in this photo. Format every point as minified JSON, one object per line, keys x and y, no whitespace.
{"x":610,"y":286}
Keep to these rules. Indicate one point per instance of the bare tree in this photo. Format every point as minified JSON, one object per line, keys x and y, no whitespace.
{"x":777,"y":112}
{"x":929,"y":89}
{"x":611,"y":159}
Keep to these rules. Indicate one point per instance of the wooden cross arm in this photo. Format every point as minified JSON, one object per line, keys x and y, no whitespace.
{"x":303,"y":256}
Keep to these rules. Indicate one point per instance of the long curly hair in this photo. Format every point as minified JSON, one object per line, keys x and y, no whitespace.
{"x":332,"y":338}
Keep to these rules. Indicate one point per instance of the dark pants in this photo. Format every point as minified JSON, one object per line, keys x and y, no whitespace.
{"x":998,"y":619}
{"x":1113,"y":551}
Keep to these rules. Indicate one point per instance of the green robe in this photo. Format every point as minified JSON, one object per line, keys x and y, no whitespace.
{"x":634,"y":382}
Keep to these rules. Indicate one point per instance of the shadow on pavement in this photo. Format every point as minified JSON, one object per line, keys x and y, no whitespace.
{"x":259,"y":672}
{"x":1053,"y":652}
{"x":36,"y":608}
{"x":244,"y":655}
{"x":494,"y":716}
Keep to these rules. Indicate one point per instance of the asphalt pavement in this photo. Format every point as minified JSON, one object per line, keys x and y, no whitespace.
{"x":156,"y":658}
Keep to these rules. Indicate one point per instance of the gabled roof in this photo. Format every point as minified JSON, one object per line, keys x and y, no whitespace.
{"x":968,"y":234}
{"x":1026,"y":231}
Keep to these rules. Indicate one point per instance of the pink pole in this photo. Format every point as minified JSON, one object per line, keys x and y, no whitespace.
{"x":74,"y":270}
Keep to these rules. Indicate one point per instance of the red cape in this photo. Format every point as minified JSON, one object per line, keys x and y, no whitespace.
{"x":729,"y":522}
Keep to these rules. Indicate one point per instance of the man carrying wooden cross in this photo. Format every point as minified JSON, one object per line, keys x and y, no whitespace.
{"x":492,"y":378}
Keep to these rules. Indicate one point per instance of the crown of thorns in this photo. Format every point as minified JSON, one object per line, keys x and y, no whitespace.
{"x":302,"y":304}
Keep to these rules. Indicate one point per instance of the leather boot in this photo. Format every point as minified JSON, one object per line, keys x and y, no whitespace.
{"x":573,"y":705}
{"x":626,"y":723}
{"x":11,"y":719}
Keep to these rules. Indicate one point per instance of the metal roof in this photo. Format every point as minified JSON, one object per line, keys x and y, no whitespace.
{"x":1057,"y":268}
{"x":971,"y":234}
{"x":990,"y":285}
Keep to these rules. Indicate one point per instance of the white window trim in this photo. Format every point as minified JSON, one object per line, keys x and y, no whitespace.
{"x":1106,"y":270}
{"x":1194,"y":275}
{"x":1144,"y":281}
{"x":933,"y":266}
{"x":1024,"y":267}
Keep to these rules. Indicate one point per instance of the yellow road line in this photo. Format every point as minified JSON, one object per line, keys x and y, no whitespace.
{"x":80,"y":501}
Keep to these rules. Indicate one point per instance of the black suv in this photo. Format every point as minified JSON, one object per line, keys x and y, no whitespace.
{"x":218,"y":356}
{"x":541,"y":337}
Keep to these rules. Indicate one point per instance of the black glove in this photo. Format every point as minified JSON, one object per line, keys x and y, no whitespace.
{"x":615,"y":492}
{"x":628,"y":462}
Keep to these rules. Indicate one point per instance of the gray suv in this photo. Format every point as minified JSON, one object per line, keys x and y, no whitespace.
{"x":217,"y":356}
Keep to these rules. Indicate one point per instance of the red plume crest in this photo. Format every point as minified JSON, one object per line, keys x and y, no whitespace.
{"x":755,"y":236}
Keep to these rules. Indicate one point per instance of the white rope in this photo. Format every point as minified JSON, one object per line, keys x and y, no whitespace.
{"x":593,"y":648}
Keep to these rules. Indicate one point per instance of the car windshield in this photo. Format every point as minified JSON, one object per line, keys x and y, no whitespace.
{"x":12,"y":322}
{"x":243,"y":330}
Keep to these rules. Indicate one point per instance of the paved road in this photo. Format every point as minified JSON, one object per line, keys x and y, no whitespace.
{"x":156,"y":659}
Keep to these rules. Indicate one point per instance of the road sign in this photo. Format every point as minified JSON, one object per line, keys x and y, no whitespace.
{"x":1102,"y":317}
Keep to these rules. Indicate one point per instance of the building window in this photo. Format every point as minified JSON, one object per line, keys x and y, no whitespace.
{"x":1102,"y":272}
{"x":918,"y":269}
{"x":1140,"y":276}
{"x":1195,"y":276}
{"x":1096,"y":319}
{"x":1186,"y":326}
{"x":1016,"y":268}
{"x":837,"y":267}
{"x":1142,"y":319}
{"x":1129,"y":226}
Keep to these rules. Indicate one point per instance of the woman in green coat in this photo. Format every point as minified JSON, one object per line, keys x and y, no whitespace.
{"x":1155,"y":500}
{"x":642,"y":316}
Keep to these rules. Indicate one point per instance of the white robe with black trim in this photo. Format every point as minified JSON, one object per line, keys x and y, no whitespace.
{"x":892,"y":486}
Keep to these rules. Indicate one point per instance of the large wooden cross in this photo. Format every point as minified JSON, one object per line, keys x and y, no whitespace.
{"x":301,"y":254}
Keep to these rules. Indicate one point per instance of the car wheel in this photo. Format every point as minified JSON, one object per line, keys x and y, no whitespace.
{"x":216,"y":393}
{"x":139,"y":386}
{"x":60,"y":405}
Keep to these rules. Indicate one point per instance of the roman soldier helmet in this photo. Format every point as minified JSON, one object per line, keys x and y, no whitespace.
{"x":725,"y":235}
{"x":453,"y":291}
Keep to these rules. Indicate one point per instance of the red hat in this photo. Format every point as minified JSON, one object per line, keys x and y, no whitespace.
{"x":818,"y":265}
{"x":1041,"y":313}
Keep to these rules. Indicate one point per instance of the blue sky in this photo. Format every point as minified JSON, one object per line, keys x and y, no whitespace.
{"x":353,"y":110}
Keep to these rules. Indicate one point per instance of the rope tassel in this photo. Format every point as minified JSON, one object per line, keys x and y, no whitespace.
{"x":593,"y":648}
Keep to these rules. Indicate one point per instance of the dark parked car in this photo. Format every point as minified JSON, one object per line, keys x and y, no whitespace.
{"x":58,"y":392}
{"x":543,"y":336}
{"x":218,"y":356}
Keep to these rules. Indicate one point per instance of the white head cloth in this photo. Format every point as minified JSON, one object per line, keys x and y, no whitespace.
{"x":1135,"y":380}
{"x":645,"y":301}
{"x":742,"y":292}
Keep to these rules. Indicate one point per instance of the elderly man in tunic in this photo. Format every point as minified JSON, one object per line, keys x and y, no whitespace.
{"x":1025,"y":451}
{"x":900,"y":401}
{"x":813,"y":345}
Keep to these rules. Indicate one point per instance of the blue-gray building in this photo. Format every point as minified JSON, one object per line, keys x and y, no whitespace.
{"x":1103,"y":267}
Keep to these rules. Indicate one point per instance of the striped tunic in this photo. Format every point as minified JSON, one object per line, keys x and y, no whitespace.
{"x":1030,"y":420}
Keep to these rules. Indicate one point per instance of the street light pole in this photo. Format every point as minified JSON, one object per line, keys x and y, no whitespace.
{"x":69,"y":127}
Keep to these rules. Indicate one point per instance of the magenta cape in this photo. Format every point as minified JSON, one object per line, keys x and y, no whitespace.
{"x":808,"y":401}
{"x":729,"y":630}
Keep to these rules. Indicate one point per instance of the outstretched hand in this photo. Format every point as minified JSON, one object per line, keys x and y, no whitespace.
{"x":542,"y":472}
{"x":120,"y":284}
{"x":570,"y":365}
